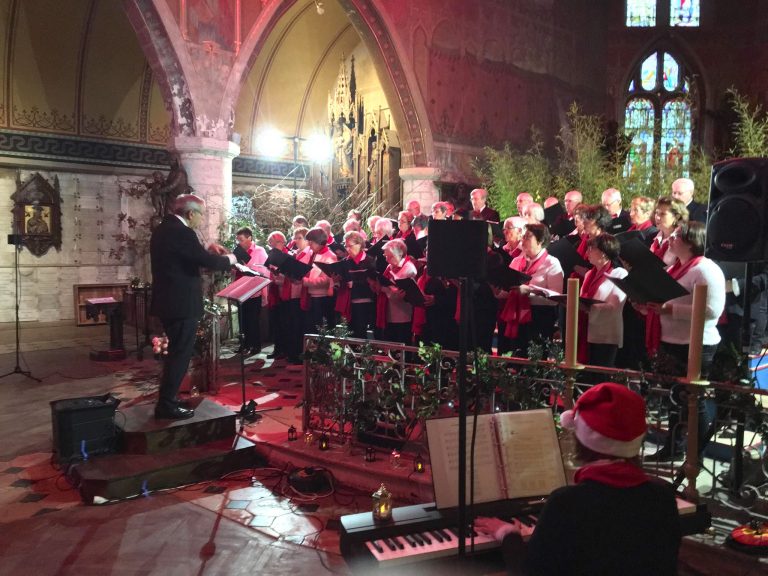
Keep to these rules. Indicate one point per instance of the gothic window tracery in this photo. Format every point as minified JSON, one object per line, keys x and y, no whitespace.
{"x":650,"y":13}
{"x":658,"y":116}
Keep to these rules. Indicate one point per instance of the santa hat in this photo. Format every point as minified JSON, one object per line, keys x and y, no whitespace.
{"x":608,"y":419}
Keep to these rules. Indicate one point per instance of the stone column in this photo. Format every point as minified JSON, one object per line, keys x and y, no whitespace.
{"x":419,"y":184}
{"x":208,"y":162}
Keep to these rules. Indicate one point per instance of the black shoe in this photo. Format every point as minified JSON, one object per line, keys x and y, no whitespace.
{"x":177,"y":413}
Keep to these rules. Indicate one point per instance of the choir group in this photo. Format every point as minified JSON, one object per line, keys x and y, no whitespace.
{"x":373,"y":276}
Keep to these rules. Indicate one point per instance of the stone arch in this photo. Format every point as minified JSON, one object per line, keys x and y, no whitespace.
{"x":162,"y":43}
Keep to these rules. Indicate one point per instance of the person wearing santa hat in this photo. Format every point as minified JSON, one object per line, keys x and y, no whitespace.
{"x":615,"y":519}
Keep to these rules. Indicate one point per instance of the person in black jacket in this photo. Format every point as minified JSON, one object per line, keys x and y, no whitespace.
{"x":177,"y":293}
{"x":480,"y":210}
{"x":682,"y":190}
{"x":611,"y":201}
{"x":615,"y":519}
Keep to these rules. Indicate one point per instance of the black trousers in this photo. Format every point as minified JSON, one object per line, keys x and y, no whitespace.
{"x":320,"y":310}
{"x":603,"y":354}
{"x":399,"y":332}
{"x":181,"y":334}
{"x":250,"y":313}
{"x":363,"y":316}
{"x":294,"y":328}
{"x":542,"y":327}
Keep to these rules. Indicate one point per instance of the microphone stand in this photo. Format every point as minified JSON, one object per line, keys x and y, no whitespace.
{"x":15,"y":240}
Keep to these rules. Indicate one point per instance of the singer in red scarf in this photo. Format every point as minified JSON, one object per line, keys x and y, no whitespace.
{"x":317,"y":298}
{"x":393,"y":314}
{"x":582,"y":530}
{"x":527,"y":315}
{"x":641,"y":216}
{"x":276,"y":303}
{"x":668,"y":215}
{"x":601,"y":328}
{"x":691,"y":268}
{"x":355,"y":299}
{"x":290,"y":293}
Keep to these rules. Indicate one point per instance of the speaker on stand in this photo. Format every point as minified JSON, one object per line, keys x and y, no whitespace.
{"x":457,"y":249}
{"x":737,"y":231}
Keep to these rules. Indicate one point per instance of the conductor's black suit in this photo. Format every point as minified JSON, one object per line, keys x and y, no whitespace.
{"x":177,"y":299}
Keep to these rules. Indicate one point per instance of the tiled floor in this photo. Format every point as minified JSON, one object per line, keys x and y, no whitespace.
{"x":250,"y":522}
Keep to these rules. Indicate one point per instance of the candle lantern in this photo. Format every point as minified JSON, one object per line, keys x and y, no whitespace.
{"x":382,"y":504}
{"x":308,"y":438}
{"x":292,"y":434}
{"x":418,"y":464}
{"x":394,"y":459}
{"x":370,"y":454}
{"x":325,"y":442}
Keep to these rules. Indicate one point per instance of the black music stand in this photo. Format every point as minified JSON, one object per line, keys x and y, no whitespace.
{"x":16,"y":240}
{"x":238,"y":292}
{"x":113,"y":310}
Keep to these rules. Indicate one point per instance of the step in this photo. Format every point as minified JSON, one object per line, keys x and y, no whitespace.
{"x":119,"y":476}
{"x":141,"y":433}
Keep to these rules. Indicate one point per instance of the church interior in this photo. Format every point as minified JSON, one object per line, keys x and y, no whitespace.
{"x":267,"y":109}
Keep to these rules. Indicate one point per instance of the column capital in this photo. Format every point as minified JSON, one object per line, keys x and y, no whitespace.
{"x":421,"y":173}
{"x":208,"y":147}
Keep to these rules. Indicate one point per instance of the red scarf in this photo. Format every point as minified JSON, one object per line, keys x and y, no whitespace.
{"x":615,"y":473}
{"x":420,"y":312}
{"x":344,"y":295}
{"x":660,"y":248}
{"x":518,"y":307}
{"x":592,"y":281}
{"x":582,"y":249}
{"x":653,"y":320}
{"x":381,"y":300}
{"x":304,"y":301}
{"x":644,"y":226}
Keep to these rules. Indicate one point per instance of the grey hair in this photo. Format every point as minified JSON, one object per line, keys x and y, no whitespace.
{"x":186,"y":203}
{"x":384,"y":227}
{"x":397,"y":247}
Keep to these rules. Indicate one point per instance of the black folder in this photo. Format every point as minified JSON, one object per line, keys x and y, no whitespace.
{"x":552,"y":214}
{"x":413,"y":294}
{"x":497,"y":230}
{"x":634,"y":252}
{"x":287,"y":265}
{"x":340,"y":268}
{"x":506,"y":278}
{"x":568,"y":256}
{"x":241,"y":254}
{"x":376,"y":250}
{"x":650,"y":284}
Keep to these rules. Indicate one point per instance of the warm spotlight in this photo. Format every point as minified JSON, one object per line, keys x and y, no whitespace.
{"x":270,"y":143}
{"x":318,"y":148}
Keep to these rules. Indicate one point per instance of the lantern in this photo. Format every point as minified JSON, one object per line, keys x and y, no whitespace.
{"x":308,"y":438}
{"x":324,"y":443}
{"x":292,"y":434}
{"x":370,"y":454}
{"x":381,"y":501}
{"x":418,"y":464}
{"x":394,"y":459}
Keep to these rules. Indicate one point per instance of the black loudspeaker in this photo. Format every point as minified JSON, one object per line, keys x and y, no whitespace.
{"x":83,"y":427}
{"x":457,"y":248}
{"x":738,"y":211}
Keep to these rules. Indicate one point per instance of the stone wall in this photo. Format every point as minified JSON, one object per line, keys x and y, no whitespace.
{"x":90,"y":207}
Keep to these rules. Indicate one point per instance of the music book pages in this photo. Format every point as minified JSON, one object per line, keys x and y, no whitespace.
{"x":517,"y":455}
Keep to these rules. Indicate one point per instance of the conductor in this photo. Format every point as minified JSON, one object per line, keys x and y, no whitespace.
{"x":177,"y":295}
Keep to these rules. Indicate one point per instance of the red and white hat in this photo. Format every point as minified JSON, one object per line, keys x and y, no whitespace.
{"x":608,"y":419}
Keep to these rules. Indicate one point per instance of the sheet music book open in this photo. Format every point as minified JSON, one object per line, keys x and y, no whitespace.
{"x":517,"y":455}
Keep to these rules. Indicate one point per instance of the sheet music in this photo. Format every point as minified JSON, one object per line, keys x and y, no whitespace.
{"x":443,"y":438}
{"x":530,"y":452}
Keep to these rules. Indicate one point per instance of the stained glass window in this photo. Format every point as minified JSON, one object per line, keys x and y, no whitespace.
{"x":658,"y":117}
{"x":641,"y":13}
{"x":639,"y":122}
{"x":648,"y":72}
{"x":676,"y":134}
{"x":684,"y":12}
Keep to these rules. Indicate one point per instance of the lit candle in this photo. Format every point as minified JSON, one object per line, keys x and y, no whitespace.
{"x":572,"y":322}
{"x":696,"y":338}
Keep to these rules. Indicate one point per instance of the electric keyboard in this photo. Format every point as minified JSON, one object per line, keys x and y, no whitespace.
{"x":422,"y":532}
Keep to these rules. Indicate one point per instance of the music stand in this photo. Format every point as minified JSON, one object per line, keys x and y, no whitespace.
{"x":16,"y":240}
{"x":238,"y":292}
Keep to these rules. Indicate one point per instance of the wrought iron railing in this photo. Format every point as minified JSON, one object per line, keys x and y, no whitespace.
{"x":381,"y":392}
